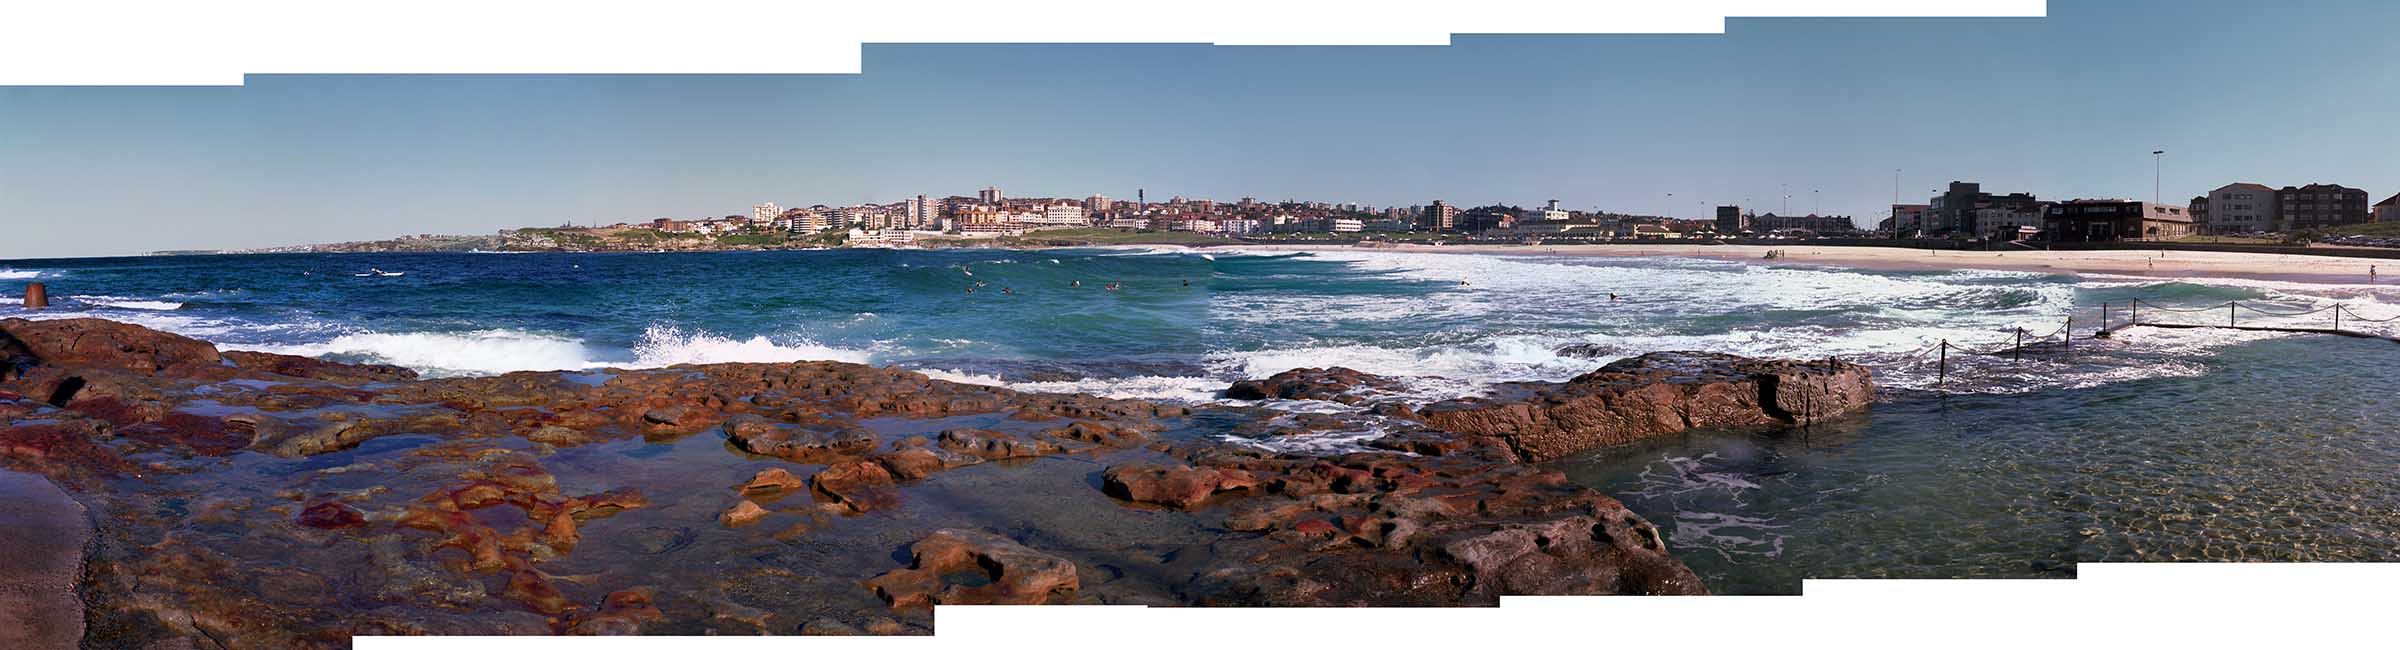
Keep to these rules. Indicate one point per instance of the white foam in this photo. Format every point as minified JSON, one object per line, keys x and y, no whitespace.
{"x":1189,"y":390}
{"x":667,"y":345}
{"x":439,"y":354}
{"x":129,"y":303}
{"x":14,"y":274}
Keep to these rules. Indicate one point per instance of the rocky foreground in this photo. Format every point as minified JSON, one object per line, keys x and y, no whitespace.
{"x":242,"y":499}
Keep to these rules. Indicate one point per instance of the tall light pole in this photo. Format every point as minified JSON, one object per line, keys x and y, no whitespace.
{"x":2158,"y":174}
{"x":1819,"y":197}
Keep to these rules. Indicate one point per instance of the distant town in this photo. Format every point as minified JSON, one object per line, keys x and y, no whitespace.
{"x":1963,"y":214}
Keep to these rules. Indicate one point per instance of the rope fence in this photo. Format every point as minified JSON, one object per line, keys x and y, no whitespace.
{"x":2023,"y":338}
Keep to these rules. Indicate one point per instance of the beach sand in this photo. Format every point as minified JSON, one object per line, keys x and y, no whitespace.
{"x":2163,"y":264}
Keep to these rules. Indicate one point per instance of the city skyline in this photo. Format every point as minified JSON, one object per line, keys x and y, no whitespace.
{"x":1822,"y":110}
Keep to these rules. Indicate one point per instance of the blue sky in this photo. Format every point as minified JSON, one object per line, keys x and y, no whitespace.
{"x":2065,"y":106}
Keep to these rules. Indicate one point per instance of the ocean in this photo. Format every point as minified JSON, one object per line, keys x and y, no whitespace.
{"x":2152,"y":445}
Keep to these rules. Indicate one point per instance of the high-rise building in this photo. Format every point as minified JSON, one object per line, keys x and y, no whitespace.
{"x":765,"y":212}
{"x":989,"y":196}
{"x":1098,"y":203}
{"x":1439,"y":217}
{"x":2319,"y":206}
{"x":921,"y":213}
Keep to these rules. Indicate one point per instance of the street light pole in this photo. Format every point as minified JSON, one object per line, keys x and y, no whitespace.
{"x":2158,"y":167}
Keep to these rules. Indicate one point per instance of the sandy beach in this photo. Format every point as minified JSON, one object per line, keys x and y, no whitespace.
{"x":2303,"y":268}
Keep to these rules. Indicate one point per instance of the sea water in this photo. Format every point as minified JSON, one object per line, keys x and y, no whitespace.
{"x":2152,"y":445}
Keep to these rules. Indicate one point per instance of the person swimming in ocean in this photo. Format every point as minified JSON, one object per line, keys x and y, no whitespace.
{"x":1008,"y":291}
{"x":1076,"y":283}
{"x":1612,"y":297}
{"x":970,"y":290}
{"x":1187,"y":283}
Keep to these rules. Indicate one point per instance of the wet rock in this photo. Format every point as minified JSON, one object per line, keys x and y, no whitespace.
{"x":914,"y":463}
{"x":1588,"y":351}
{"x":311,"y":368}
{"x":1009,"y":573}
{"x":1336,"y":384}
{"x":994,"y":445}
{"x":815,"y":441}
{"x":885,"y":626}
{"x":331,"y":515}
{"x":557,"y":435}
{"x":743,"y":513}
{"x":861,"y":486}
{"x":773,"y":480}
{"x":827,"y":627}
{"x":1650,"y":395}
{"x":96,"y":343}
{"x":1176,"y":486}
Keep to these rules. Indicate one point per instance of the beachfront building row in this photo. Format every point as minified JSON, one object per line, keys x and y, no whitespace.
{"x":2256,"y":208}
{"x":2104,"y":220}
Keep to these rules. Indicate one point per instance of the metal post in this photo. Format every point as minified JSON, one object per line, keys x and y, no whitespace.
{"x":2020,"y":351}
{"x":2337,"y":318}
{"x":2070,"y":330}
{"x":2229,"y":313}
{"x":1943,"y":377}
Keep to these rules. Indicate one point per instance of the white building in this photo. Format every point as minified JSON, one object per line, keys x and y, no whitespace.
{"x":2005,"y":223}
{"x":2240,"y":207}
{"x":765,"y":212}
{"x":1059,"y":214}
{"x":1551,"y":212}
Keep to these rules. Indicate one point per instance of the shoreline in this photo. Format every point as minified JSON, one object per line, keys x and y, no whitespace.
{"x":2314,"y":269}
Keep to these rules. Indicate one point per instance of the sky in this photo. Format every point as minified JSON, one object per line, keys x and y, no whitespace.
{"x":1824,"y":111}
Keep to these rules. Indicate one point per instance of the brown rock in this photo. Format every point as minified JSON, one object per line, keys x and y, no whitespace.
{"x":859,"y":485}
{"x":1334,"y":384}
{"x":1176,"y":486}
{"x":91,"y":342}
{"x":1011,"y":574}
{"x":1654,"y":394}
{"x":814,"y":441}
{"x":332,"y":514}
{"x":742,"y":514}
{"x":773,"y":480}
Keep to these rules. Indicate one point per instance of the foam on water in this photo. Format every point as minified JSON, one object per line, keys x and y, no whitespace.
{"x":128,"y":303}
{"x":664,"y":345}
{"x":441,"y":354}
{"x":15,"y":274}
